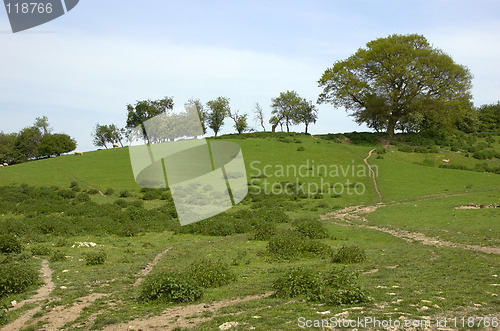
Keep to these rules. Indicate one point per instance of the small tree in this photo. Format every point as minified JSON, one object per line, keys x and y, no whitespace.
{"x":202,"y":114}
{"x":240,"y":121}
{"x":219,"y":109}
{"x":100,"y":135}
{"x":307,"y":114}
{"x":489,"y":117}
{"x":27,"y":142}
{"x":259,"y":116}
{"x":42,"y":123}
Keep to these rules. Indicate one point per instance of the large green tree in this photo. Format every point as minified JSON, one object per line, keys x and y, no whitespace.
{"x":398,"y":78}
{"x":7,"y":150}
{"x":55,"y":144}
{"x":202,"y":113}
{"x":146,"y":109}
{"x":219,"y":110}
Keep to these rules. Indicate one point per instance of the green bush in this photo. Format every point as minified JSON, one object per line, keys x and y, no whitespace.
{"x":109,"y":191}
{"x":311,"y":228}
{"x":485,"y":154}
{"x":74,"y":184}
{"x":210,"y":273}
{"x":299,"y":281}
{"x":121,"y":203}
{"x":301,"y":149}
{"x":349,"y":254}
{"x":169,"y":287}
{"x":40,"y":250}
{"x":82,"y":197}
{"x":16,"y":277}
{"x":336,"y":287}
{"x":286,"y":244}
{"x":405,"y":149}
{"x":263,"y":230}
{"x":125,"y":194}
{"x":10,"y":244}
{"x":92,"y":191}
{"x":57,"y":255}
{"x":95,"y":257}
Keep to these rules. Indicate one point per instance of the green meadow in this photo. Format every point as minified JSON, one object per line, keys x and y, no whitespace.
{"x":311,"y":243}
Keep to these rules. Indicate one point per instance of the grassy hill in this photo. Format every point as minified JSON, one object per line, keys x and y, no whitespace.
{"x":427,"y":250}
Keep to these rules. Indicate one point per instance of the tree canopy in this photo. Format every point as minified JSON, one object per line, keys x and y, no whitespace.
{"x":146,"y":109}
{"x":399,"y":80}
{"x":219,"y":110}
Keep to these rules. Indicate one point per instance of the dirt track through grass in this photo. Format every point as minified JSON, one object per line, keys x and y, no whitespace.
{"x":181,"y":316}
{"x":144,"y":272}
{"x":43,"y":293}
{"x":373,"y":174}
{"x":350,"y":215}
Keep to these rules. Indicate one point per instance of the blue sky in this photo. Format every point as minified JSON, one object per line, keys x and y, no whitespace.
{"x":85,"y":66}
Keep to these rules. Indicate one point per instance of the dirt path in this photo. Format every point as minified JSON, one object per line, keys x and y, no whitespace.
{"x":349,"y":215}
{"x":58,"y":316}
{"x":373,"y":175}
{"x":43,"y":293}
{"x":181,"y":316}
{"x":144,"y":272}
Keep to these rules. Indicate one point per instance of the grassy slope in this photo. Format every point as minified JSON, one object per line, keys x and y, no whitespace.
{"x":407,"y":272}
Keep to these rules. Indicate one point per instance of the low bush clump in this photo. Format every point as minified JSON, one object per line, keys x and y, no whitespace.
{"x":169,"y":287}
{"x":485,"y":154}
{"x":10,"y":244}
{"x":301,"y":149}
{"x":286,"y":244}
{"x":16,"y":277}
{"x":82,"y":197}
{"x":349,"y":254}
{"x":210,"y":273}
{"x":95,"y":257}
{"x":406,"y":149}
{"x":57,"y":255}
{"x":109,"y":191}
{"x":311,"y":228}
{"x":297,"y":282}
{"x":335,"y":287}
{"x":40,"y":250}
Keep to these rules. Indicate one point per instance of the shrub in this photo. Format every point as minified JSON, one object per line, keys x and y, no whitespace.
{"x":109,"y":191}
{"x":301,"y":149}
{"x":263,"y":230}
{"x":10,"y":244}
{"x":92,"y":191}
{"x":286,"y":244}
{"x":95,"y":257}
{"x":311,"y":228}
{"x":57,"y":255}
{"x":82,"y":197}
{"x":297,"y":282}
{"x":74,"y":184}
{"x":210,"y":273}
{"x":336,"y":288}
{"x":484,"y":154}
{"x":349,"y":254}
{"x":40,"y":250}
{"x":121,"y":203}
{"x":381,"y":150}
{"x":125,"y":194}
{"x":67,"y":194}
{"x":169,"y":287}
{"x":16,"y":277}
{"x":316,"y":248}
{"x":406,"y":149}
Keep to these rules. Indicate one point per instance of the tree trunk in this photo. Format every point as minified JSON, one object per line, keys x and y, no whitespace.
{"x":390,"y":127}
{"x":273,"y":128}
{"x":307,"y":124}
{"x":287,"y":128}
